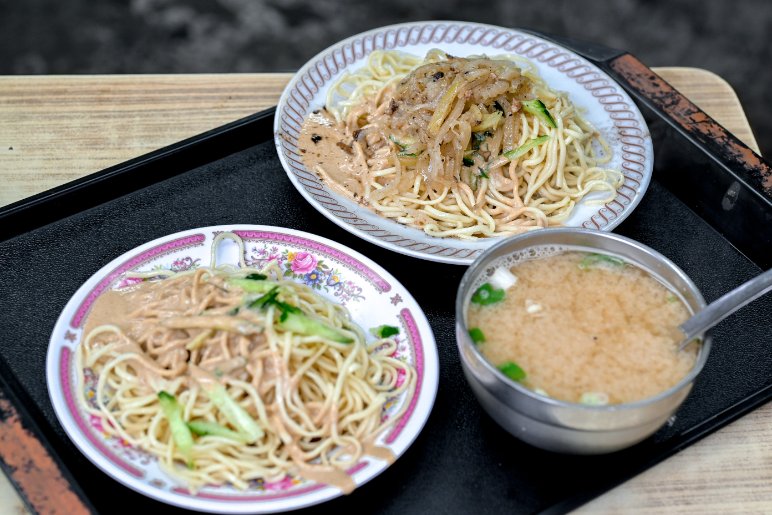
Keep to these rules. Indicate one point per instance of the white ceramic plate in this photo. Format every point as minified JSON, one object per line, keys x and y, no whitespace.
{"x":372,"y":296}
{"x":606,"y":106}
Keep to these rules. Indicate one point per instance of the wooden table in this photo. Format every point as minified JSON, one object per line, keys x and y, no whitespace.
{"x":54,"y":129}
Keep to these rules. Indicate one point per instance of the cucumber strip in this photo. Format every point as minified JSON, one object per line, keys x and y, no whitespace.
{"x":206,"y":428}
{"x":233,"y":411}
{"x":537,"y":108}
{"x":294,"y":320}
{"x":181,"y":434}
{"x":253,"y":285}
{"x":525,"y":147}
{"x":266,"y":300}
{"x":305,"y":325}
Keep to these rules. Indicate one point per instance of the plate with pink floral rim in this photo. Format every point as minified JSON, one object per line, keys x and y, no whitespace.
{"x":604,"y":103}
{"x":372,"y":296}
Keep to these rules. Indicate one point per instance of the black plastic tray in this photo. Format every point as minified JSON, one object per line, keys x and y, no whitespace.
{"x":462,"y":462}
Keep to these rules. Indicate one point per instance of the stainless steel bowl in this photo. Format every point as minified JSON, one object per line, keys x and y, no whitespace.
{"x":564,"y":426}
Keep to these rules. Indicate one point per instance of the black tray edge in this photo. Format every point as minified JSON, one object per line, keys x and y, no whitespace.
{"x":132,"y":175}
{"x":123,"y":178}
{"x":697,"y":433}
{"x":21,"y":427}
{"x":79,"y":195}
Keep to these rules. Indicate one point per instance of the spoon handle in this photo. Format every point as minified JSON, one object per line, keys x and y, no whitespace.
{"x":719,"y":309}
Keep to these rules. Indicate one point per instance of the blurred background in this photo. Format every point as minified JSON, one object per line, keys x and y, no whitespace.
{"x":731,"y":39}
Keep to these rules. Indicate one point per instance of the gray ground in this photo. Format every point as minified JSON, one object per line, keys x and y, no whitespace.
{"x":731,"y":38}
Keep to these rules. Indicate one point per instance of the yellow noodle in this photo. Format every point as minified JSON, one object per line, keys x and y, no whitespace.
{"x":319,"y":402}
{"x":411,"y":183}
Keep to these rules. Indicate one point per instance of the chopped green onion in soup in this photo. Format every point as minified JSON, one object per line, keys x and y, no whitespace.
{"x":477,"y":335}
{"x":594,"y":398}
{"x":487,"y":294}
{"x":593,"y":260}
{"x":512,"y":370}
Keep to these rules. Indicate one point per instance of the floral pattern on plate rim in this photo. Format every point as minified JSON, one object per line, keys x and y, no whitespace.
{"x":306,"y":268}
{"x":299,"y":265}
{"x":310,"y":246}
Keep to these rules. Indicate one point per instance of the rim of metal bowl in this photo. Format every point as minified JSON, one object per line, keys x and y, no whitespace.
{"x":463,"y":338}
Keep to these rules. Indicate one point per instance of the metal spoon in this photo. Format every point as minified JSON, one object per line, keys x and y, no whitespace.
{"x":719,"y":309}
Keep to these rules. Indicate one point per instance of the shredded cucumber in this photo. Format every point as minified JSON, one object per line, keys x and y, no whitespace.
{"x":525,"y":147}
{"x":536,"y":107}
{"x":181,"y":434}
{"x":253,"y":285}
{"x":235,"y":414}
{"x":293,"y":319}
{"x":303,"y":324}
{"x":206,"y":428}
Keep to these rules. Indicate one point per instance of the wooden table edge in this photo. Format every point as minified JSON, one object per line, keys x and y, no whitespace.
{"x":231,"y":94}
